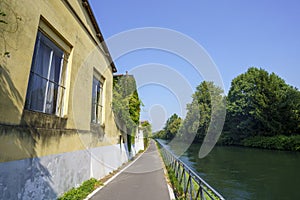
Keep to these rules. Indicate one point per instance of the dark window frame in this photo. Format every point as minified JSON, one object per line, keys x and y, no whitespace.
{"x":52,"y":93}
{"x":97,"y":101}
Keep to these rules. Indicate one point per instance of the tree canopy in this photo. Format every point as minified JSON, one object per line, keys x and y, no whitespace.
{"x":262,"y":111}
{"x":261,"y":104}
{"x":147,"y":132}
{"x":198,"y":117}
{"x":171,"y":128}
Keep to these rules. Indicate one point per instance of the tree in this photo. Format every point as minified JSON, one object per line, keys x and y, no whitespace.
{"x":261,"y":104}
{"x":292,"y":114}
{"x":205,"y":93}
{"x":190,"y":124}
{"x":172,"y":126}
{"x":147,"y":132}
{"x":204,"y":113}
{"x":170,"y":129}
{"x":159,"y":134}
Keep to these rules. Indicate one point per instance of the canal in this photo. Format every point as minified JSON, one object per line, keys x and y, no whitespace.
{"x":247,"y":173}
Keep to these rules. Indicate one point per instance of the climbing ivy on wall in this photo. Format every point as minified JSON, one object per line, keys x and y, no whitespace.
{"x":126,"y":106}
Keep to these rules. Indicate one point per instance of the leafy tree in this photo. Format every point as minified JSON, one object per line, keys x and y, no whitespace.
{"x":199,"y":115}
{"x":172,"y":126}
{"x":291,"y":111}
{"x":206,"y":93}
{"x":170,"y":129}
{"x":190,"y":124}
{"x":159,"y":134}
{"x":261,"y":104}
{"x":147,"y":131}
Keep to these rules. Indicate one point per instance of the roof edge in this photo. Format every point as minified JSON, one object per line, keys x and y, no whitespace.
{"x":99,"y":35}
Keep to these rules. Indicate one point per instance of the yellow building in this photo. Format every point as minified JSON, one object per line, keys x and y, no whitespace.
{"x":56,"y":123}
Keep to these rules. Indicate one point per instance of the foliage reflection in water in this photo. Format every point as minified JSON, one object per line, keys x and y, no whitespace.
{"x":247,"y":173}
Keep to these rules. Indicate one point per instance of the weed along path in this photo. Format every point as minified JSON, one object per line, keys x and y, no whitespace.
{"x":143,"y":180}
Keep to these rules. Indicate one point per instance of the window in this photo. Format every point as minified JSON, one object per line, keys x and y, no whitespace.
{"x":45,"y":87}
{"x":96,"y":114}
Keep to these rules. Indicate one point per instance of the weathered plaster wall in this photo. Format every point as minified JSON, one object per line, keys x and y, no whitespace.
{"x":50,"y":176}
{"x":139,"y":141}
{"x":40,"y":134}
{"x":41,"y":155}
{"x":21,"y":142}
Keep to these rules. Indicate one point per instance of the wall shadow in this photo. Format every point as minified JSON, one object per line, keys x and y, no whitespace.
{"x":10,"y":98}
{"x":22,"y":175}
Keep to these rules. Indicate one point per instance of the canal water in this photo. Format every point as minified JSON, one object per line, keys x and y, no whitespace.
{"x":247,"y":173}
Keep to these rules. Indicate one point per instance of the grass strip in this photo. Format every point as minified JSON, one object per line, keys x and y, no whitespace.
{"x":82,"y":191}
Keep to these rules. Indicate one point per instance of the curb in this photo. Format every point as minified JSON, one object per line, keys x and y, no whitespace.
{"x":170,"y":189}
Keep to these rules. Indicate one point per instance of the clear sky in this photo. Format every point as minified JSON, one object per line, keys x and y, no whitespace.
{"x":237,"y":34}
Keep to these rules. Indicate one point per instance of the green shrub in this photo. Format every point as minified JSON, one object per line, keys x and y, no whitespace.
{"x":140,"y":151}
{"x":279,"y":142}
{"x":82,"y":191}
{"x":178,"y":190}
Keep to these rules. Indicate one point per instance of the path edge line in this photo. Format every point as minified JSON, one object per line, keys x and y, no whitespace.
{"x":170,"y":189}
{"x":113,"y":177}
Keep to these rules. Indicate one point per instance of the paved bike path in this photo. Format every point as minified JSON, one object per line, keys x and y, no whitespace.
{"x":143,"y":180}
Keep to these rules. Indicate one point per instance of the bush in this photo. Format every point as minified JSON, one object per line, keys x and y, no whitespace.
{"x":178,"y":190}
{"x":82,"y":191}
{"x":225,"y":139}
{"x":279,"y":142}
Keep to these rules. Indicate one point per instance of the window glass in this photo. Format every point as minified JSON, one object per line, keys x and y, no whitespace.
{"x":42,"y":60}
{"x":35,"y":93}
{"x":96,"y":112}
{"x":55,"y":68}
{"x":51,"y":98}
{"x":45,"y":77}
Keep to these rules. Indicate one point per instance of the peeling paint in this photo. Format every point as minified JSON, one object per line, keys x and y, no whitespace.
{"x":50,"y":176}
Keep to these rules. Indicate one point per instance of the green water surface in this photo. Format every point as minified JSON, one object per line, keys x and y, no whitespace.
{"x":247,"y":173}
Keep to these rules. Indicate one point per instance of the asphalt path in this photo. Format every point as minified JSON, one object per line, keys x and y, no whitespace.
{"x":143,"y":180}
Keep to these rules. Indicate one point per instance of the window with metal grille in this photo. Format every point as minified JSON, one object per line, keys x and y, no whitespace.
{"x":96,"y":114}
{"x":46,"y":89}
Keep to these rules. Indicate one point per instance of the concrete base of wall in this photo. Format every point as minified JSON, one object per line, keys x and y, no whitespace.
{"x":50,"y":176}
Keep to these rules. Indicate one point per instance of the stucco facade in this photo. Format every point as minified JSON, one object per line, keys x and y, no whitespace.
{"x":55,"y":149}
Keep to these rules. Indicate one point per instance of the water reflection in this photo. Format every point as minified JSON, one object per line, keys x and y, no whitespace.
{"x":245,"y":173}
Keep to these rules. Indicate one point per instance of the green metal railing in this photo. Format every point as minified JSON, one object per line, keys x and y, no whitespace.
{"x":194,"y":187}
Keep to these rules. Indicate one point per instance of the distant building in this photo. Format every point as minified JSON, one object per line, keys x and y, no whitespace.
{"x":57,"y":127}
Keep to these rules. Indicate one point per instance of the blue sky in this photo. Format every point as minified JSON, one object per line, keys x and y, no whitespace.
{"x":237,"y":34}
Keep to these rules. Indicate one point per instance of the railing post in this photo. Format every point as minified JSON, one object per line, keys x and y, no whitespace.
{"x":185,"y":183}
{"x":175,"y":165}
{"x":178,"y":169}
{"x":198,"y":192}
{"x":181,"y":176}
{"x":185,"y":174}
{"x":172,"y":163}
{"x":191,"y":188}
{"x":202,"y":193}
